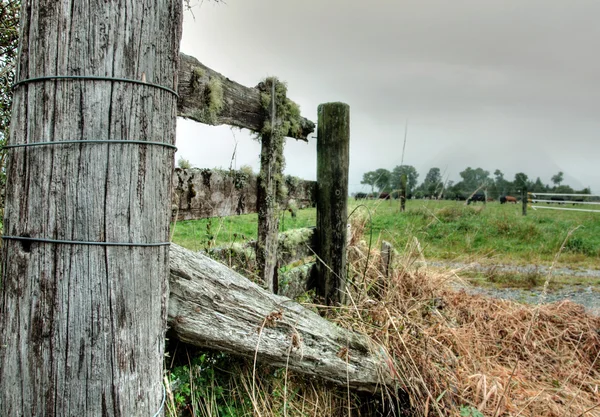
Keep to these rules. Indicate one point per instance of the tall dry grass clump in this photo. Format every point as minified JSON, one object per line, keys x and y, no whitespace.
{"x":457,"y":354}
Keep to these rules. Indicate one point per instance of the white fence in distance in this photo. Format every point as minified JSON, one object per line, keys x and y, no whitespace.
{"x":532,"y":198}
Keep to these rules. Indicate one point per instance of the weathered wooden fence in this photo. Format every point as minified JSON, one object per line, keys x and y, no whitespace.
{"x":84,"y":284}
{"x":209,"y":97}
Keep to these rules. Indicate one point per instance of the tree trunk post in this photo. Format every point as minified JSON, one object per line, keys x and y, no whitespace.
{"x":333,"y":151}
{"x":85,"y":276}
{"x":403,"y":181}
{"x":268,"y":182}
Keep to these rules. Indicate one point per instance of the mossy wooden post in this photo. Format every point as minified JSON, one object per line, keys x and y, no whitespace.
{"x":268,"y":182}
{"x":82,"y":322}
{"x":333,"y":149}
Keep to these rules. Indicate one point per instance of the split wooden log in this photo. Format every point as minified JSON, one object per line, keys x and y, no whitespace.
{"x":213,"y":306}
{"x":211,"y":98}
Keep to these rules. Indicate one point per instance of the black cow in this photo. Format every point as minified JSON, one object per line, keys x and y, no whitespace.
{"x":384,"y":196}
{"x":559,"y":200}
{"x":475,"y":198}
{"x":360,"y":196}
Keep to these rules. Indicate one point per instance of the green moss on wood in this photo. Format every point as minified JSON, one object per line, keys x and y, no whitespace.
{"x":211,"y":95}
{"x":195,"y":79}
{"x":214,"y":99}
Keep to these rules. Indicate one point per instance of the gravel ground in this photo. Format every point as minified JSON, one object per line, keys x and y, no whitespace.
{"x":586,"y":295}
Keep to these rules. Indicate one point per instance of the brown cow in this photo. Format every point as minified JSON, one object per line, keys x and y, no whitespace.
{"x":510,"y":199}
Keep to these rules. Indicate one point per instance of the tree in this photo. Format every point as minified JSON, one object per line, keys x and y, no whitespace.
{"x":538,"y":186}
{"x":84,"y":283}
{"x":557,"y":179}
{"x":411,"y":178}
{"x":474,"y":178}
{"x":521,"y":182}
{"x":433,"y":182}
{"x":369,"y":178}
{"x":383,"y":179}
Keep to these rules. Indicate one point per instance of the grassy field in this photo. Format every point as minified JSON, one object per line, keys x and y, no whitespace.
{"x":446,"y":230}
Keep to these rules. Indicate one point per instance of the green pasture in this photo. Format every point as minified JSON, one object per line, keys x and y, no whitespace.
{"x":446,"y":230}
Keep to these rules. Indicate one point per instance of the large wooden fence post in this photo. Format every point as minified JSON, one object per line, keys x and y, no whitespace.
{"x":333,"y":150}
{"x":85,"y":274}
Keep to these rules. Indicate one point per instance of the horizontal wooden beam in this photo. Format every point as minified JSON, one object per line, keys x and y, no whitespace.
{"x":212,"y":306}
{"x":207,"y":96}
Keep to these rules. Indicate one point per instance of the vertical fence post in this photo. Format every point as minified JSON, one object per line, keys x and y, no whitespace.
{"x":271,"y":157}
{"x":333,"y":151}
{"x":403,"y":180}
{"x":524,"y":200}
{"x":85,"y":274}
{"x":387,"y":253}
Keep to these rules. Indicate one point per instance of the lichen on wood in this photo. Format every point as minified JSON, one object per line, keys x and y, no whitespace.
{"x":238,"y":106}
{"x":280,"y":115}
{"x":211,"y":93}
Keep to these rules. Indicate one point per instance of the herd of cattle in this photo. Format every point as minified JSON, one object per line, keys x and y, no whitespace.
{"x":473,"y":199}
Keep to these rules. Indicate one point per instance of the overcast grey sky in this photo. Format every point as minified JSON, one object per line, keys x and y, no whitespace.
{"x":496,"y":84}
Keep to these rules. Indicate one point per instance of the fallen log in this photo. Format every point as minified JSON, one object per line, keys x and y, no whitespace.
{"x":208,"y":97}
{"x":212,"y":306}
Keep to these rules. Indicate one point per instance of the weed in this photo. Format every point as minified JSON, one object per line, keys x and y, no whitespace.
{"x":579,"y":245}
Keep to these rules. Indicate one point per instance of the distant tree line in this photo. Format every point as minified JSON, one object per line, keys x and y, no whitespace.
{"x":472,"y":180}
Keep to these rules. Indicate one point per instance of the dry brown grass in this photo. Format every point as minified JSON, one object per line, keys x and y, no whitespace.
{"x":452,"y":349}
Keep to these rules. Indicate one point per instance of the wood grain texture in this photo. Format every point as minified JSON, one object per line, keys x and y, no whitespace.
{"x":82,"y":327}
{"x":333,"y":158}
{"x":241,"y":105}
{"x":267,"y":205}
{"x":213,"y":306}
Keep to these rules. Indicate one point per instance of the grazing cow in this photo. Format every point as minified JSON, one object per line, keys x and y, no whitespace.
{"x":360,"y":196}
{"x":577,"y":200}
{"x":475,"y":198}
{"x":384,"y":196}
{"x":508,"y":199}
{"x":490,"y":199}
{"x":559,"y":200}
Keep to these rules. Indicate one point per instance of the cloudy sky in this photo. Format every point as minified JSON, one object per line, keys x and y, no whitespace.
{"x":497,"y":84}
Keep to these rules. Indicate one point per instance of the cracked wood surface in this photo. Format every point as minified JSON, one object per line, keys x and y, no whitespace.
{"x":82,"y":326}
{"x":215,"y":307}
